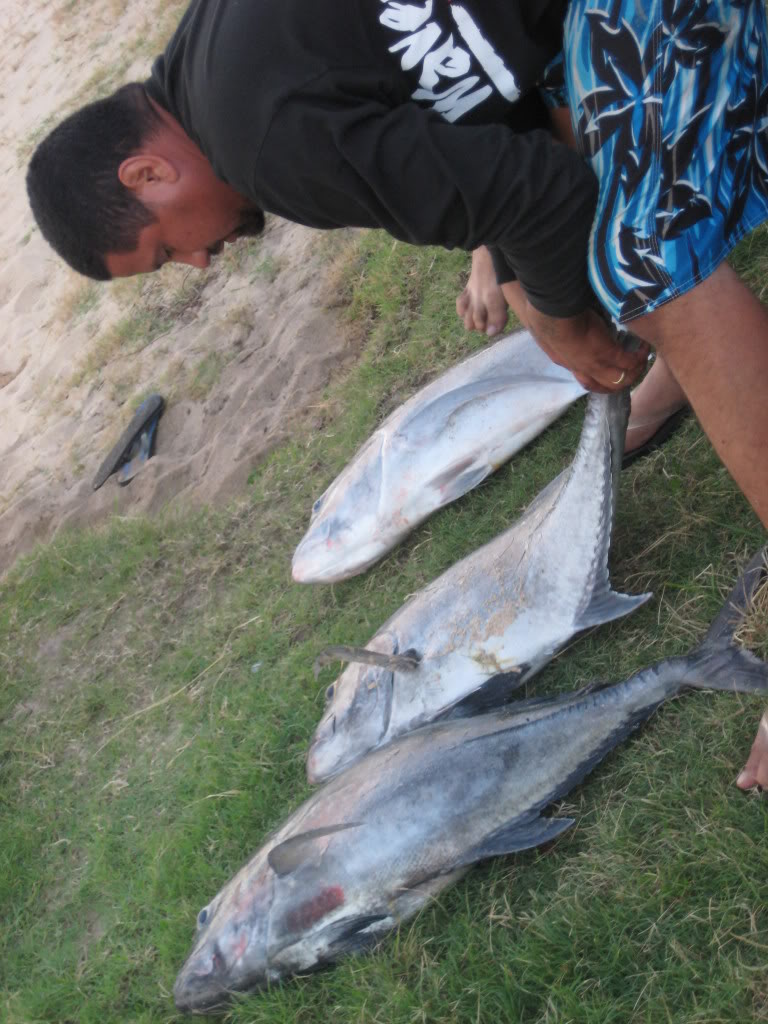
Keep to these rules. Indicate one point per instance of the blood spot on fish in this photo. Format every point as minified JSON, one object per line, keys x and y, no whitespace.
{"x":312,"y":910}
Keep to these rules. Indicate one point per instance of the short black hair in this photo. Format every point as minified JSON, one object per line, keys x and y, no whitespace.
{"x":82,"y":208}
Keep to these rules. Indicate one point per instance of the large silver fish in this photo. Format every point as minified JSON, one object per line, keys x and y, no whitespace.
{"x":495,"y":618}
{"x":366,"y":851}
{"x":437,"y":446}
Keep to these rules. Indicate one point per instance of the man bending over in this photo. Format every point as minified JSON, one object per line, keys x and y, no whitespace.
{"x":429,"y":120}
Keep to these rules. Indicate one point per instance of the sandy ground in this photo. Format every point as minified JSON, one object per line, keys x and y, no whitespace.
{"x":238,"y":351}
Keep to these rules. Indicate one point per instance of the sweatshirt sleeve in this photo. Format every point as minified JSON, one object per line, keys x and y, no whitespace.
{"x":429,"y":182}
{"x":504,"y":273}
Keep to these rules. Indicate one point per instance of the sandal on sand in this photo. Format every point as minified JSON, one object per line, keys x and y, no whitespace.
{"x":658,"y":438}
{"x":135,"y":446}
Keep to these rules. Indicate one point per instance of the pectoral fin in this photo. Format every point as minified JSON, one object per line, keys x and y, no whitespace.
{"x":351,"y":934}
{"x":521,"y":835}
{"x":461,"y":477}
{"x":491,"y":694}
{"x":292,"y":853}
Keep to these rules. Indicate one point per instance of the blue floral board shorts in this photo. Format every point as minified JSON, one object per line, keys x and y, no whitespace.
{"x":669,"y":103}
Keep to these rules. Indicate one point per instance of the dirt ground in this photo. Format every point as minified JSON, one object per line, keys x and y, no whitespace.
{"x":238,"y":351}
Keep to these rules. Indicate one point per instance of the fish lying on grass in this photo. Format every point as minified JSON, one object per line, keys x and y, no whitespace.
{"x":495,"y":618}
{"x":367,"y":850}
{"x":437,"y":446}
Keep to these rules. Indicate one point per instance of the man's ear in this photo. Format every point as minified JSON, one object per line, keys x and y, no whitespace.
{"x":145,"y":171}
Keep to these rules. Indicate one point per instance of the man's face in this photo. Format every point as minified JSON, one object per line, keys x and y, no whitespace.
{"x":189,"y":227}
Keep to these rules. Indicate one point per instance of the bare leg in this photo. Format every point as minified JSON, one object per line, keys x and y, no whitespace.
{"x":714,"y":340}
{"x":481,"y":305}
{"x":656,"y":397}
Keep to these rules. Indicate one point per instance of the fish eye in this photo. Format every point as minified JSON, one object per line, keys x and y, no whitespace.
{"x":317,"y":506}
{"x":202,"y":917}
{"x":330,"y":691}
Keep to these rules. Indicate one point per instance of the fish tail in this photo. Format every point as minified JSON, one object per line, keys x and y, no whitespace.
{"x":718,"y":663}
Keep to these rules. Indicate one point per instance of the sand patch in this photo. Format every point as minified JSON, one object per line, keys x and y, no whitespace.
{"x":238,"y":351}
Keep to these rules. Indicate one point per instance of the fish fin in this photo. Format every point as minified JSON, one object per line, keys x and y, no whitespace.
{"x":461,"y":478}
{"x":448,"y":406}
{"x":465,"y":708}
{"x":292,"y":853}
{"x":605,"y":605}
{"x":520,"y":835}
{"x":347,"y":935}
{"x":350,"y":934}
{"x":737,"y":602}
{"x":493,"y":692}
{"x":718,"y":663}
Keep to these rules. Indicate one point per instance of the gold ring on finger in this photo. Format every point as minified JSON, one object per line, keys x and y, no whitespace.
{"x":621,"y":378}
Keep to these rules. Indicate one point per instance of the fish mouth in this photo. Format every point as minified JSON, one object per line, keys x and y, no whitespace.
{"x":189,"y":998}
{"x":325,"y":760}
{"x":201,"y":993}
{"x":204,"y":982}
{"x":307,"y":568}
{"x":323,"y":556}
{"x":317,"y":769}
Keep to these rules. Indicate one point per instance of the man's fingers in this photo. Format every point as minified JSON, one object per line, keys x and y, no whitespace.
{"x":473,"y":315}
{"x":473,"y":321}
{"x":591,"y":384}
{"x":632,"y":362}
{"x":616,"y":363}
{"x":616,"y":378}
{"x":636,"y":356}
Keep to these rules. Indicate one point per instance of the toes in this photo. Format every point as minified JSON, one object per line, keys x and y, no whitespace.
{"x":755,"y":771}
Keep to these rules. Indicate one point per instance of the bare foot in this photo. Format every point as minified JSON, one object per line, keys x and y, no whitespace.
{"x":654,"y":400}
{"x":755,"y":771}
{"x":482,"y":305}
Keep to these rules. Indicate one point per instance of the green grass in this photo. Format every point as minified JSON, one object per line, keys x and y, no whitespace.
{"x":142,"y":760}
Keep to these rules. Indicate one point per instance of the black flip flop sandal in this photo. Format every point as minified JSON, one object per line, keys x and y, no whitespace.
{"x":659,"y":437}
{"x":136,"y":443}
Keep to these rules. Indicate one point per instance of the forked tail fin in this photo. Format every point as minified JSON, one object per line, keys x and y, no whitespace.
{"x":718,"y":663}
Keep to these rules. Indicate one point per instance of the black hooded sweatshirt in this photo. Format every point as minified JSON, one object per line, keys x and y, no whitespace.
{"x":420,"y":118}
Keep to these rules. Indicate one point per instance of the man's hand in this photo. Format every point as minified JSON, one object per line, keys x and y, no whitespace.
{"x":755,"y":771}
{"x":481,"y":305}
{"x":585,"y":346}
